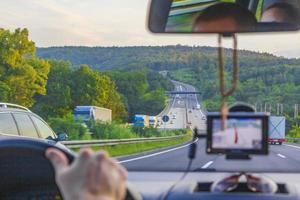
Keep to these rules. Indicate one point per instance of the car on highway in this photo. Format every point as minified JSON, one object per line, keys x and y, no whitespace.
{"x":242,"y":55}
{"x":16,"y":120}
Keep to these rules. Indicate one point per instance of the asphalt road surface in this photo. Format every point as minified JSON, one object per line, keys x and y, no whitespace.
{"x":182,"y":110}
{"x":281,"y":158}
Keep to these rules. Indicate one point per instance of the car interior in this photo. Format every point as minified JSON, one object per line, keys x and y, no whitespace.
{"x":27,"y":174}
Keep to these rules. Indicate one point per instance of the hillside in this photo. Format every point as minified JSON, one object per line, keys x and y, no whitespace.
{"x":156,"y":58}
{"x":264,"y":78}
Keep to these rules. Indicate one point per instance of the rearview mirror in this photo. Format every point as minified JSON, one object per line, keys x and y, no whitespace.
{"x":223,"y":16}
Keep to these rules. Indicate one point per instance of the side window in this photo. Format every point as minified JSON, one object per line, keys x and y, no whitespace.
{"x":7,"y":124}
{"x":25,"y":125}
{"x":43,"y":128}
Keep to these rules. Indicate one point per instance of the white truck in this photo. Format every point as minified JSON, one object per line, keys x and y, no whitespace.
{"x":87,"y":113}
{"x":153,"y":121}
{"x":276,"y":129}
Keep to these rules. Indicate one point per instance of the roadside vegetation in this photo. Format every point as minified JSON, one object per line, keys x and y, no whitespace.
{"x":294,"y":127}
{"x":143,"y":91}
{"x":125,"y":93}
{"x":77,"y":130}
{"x":128,"y":149}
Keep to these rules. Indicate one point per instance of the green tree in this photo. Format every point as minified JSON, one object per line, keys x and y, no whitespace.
{"x":153,"y":102}
{"x":89,"y":87}
{"x":58,"y":101}
{"x":132,"y":85}
{"x":143,"y":91}
{"x":22,"y":74}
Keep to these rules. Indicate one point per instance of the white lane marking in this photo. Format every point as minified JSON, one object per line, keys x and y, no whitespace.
{"x":207,"y":165}
{"x":280,"y":155}
{"x":297,"y":147}
{"x":156,"y":154}
{"x":174,"y":100}
{"x":202,"y":113}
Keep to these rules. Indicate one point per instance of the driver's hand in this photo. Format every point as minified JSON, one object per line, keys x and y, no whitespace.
{"x":91,"y":176}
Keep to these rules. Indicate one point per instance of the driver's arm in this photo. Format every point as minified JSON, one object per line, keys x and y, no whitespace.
{"x":91,"y":176}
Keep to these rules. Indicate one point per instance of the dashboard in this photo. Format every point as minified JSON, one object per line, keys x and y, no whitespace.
{"x":25,"y":172}
{"x":153,"y":185}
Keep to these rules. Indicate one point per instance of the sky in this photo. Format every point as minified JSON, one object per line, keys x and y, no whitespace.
{"x":117,"y":23}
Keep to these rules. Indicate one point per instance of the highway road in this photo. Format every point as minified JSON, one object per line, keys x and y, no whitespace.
{"x":182,"y":110}
{"x":281,"y":157}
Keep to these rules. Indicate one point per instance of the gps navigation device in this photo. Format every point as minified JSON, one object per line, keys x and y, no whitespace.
{"x":245,"y":133}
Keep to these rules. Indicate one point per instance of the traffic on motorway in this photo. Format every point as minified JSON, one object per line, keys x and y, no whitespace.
{"x":96,"y":105}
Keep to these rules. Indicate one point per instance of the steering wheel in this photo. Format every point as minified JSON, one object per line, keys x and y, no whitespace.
{"x":25,"y":172}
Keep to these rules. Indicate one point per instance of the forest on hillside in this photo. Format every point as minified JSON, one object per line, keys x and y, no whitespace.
{"x":263,"y":77}
{"x":155,"y":57}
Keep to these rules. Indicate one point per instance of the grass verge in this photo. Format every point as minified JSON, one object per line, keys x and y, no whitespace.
{"x":128,"y":149}
{"x":292,"y":142}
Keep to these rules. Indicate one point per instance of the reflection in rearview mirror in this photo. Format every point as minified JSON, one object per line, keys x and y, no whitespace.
{"x":223,"y":16}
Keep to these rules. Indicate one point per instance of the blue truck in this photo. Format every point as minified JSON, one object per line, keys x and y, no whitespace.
{"x":141,"y":121}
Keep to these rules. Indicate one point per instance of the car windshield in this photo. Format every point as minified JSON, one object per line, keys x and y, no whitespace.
{"x":148,"y":92}
{"x":84,"y":115}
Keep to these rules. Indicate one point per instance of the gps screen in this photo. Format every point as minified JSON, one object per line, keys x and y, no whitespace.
{"x":244,"y":134}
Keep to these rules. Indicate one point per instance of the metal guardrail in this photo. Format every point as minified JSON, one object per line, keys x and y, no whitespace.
{"x":99,"y":143}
